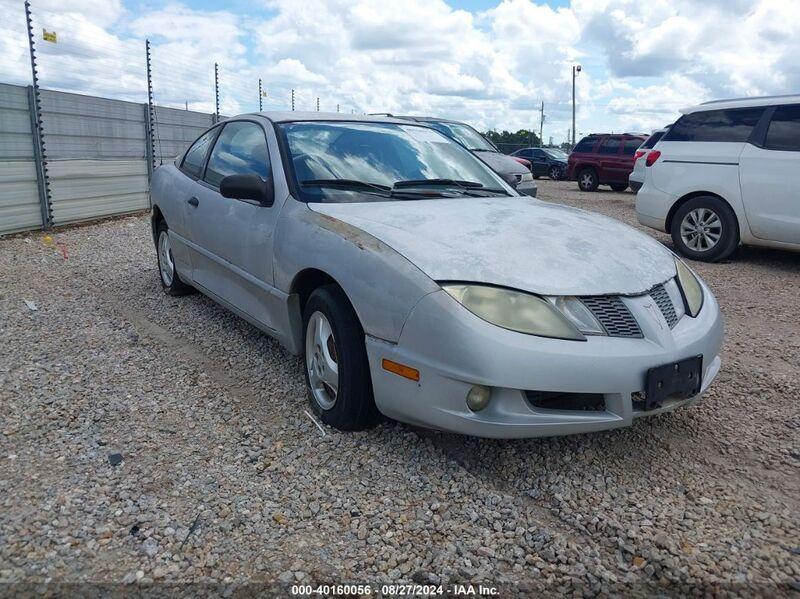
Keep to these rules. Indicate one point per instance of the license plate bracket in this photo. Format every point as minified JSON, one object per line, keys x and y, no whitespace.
{"x":678,"y":380}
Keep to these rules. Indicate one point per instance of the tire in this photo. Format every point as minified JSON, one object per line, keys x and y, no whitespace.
{"x":170,"y":280}
{"x":618,"y":186}
{"x":556,"y":174}
{"x":334,"y":350}
{"x":587,"y":179}
{"x":714,"y":220}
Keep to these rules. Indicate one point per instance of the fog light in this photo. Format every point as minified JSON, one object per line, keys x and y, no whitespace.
{"x":478,"y":397}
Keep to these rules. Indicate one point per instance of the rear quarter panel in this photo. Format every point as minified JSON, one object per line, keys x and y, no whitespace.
{"x":690,"y":167}
{"x":169,"y":192}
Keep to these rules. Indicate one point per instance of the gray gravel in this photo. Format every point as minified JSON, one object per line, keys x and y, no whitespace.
{"x":147,"y":438}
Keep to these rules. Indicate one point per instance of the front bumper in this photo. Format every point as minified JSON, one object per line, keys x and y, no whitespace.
{"x":528,"y":188}
{"x":453,"y":349}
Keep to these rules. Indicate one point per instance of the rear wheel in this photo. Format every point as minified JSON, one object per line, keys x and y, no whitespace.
{"x":170,"y":280}
{"x":336,"y":366}
{"x":619,"y":186}
{"x":587,"y":180}
{"x":705,"y":228}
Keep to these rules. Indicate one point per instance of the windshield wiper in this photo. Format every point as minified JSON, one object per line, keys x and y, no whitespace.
{"x":466,"y":187}
{"x":437,"y":182}
{"x":348,"y":184}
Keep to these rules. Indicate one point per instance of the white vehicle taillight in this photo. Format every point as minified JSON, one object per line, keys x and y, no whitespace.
{"x":652,"y":157}
{"x":639,"y":154}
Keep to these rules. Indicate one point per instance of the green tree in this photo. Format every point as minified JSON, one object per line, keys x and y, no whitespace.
{"x":509,"y":142}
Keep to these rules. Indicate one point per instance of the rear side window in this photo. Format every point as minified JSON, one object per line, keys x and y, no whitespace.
{"x":610,"y":145}
{"x":784,"y":129}
{"x":196,"y":155}
{"x":241,"y":149}
{"x":585,"y":145}
{"x":733,"y":125}
{"x":651,"y":141}
{"x":630,"y":147}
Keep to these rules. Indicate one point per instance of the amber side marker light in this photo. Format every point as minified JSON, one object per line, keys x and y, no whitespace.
{"x":401,"y":370}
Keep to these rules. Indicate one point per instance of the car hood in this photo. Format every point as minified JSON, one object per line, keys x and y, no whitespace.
{"x":501,"y":163}
{"x":514,"y":242}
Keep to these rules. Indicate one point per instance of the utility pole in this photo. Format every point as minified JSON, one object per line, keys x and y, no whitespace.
{"x":575,"y":70}
{"x":541,"y":125}
{"x":260,"y":107}
{"x":337,"y":108}
{"x":292,"y":100}
{"x":317,"y":103}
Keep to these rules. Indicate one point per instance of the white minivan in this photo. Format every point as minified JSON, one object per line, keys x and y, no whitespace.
{"x":722,"y":176}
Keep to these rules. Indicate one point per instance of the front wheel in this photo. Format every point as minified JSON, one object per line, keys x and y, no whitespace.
{"x":556,"y":173}
{"x":336,"y":366}
{"x":705,"y":228}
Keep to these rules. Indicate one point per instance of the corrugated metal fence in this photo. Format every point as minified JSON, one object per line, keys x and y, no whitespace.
{"x":96,"y":159}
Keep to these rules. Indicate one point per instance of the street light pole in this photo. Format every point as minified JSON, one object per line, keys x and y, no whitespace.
{"x":575,"y":70}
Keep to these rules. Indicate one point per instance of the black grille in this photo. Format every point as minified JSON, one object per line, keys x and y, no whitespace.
{"x":555,"y":400}
{"x":664,"y":303}
{"x":613,"y":314}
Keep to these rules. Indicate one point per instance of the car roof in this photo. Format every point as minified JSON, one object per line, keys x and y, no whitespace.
{"x":743,"y":103}
{"x":429,"y":119}
{"x":290,"y":116}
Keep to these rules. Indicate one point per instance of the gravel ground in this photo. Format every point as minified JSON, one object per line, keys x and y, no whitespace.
{"x":224,"y":478}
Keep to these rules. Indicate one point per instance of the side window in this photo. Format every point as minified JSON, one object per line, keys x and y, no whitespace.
{"x":652,"y":140}
{"x":585,"y":145}
{"x":610,"y":145}
{"x":733,"y":125}
{"x":784,"y":129}
{"x":241,"y":148}
{"x":630,"y":147}
{"x":195,"y":158}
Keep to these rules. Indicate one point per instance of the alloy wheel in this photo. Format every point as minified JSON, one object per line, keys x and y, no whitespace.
{"x":322,"y":361}
{"x":587,"y":180}
{"x":701,"y":229}
{"x":165,"y":263}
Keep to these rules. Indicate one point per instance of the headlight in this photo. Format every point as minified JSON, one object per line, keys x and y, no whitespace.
{"x":514,"y":310}
{"x":527,"y":177}
{"x":690,"y":289}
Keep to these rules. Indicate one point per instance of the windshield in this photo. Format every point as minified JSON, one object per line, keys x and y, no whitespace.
{"x":464,"y":134}
{"x":556,"y":154}
{"x":362,"y":162}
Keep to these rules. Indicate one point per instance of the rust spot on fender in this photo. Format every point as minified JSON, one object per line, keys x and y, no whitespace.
{"x":362,"y":240}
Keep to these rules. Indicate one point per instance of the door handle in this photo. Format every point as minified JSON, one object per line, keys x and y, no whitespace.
{"x":193,"y":201}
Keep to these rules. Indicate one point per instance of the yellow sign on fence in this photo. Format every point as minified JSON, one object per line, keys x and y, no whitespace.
{"x":49,"y":36}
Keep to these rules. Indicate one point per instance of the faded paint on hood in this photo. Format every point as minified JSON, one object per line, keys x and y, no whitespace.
{"x":501,"y":163}
{"x":514,"y":242}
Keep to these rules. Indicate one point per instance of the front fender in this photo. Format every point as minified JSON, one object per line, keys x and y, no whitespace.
{"x":381,"y":284}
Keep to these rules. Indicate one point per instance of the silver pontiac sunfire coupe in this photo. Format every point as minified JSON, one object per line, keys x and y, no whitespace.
{"x":418,"y":285}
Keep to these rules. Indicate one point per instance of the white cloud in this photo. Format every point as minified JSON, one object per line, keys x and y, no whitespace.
{"x":642,"y":59}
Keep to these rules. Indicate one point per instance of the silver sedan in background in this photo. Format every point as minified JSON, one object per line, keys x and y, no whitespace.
{"x":418,"y":285}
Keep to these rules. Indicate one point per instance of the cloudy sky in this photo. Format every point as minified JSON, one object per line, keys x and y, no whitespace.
{"x":486,"y":62}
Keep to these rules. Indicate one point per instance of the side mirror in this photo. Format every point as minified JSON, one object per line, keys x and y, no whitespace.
{"x":248,"y":187}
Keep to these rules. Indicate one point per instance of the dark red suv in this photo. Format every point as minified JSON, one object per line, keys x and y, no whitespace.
{"x":603,"y":159}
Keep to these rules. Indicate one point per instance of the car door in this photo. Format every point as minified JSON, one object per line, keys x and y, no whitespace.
{"x":192,"y":164}
{"x":609,"y":156}
{"x":540,"y":165}
{"x":766,"y":174}
{"x":232,"y":239}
